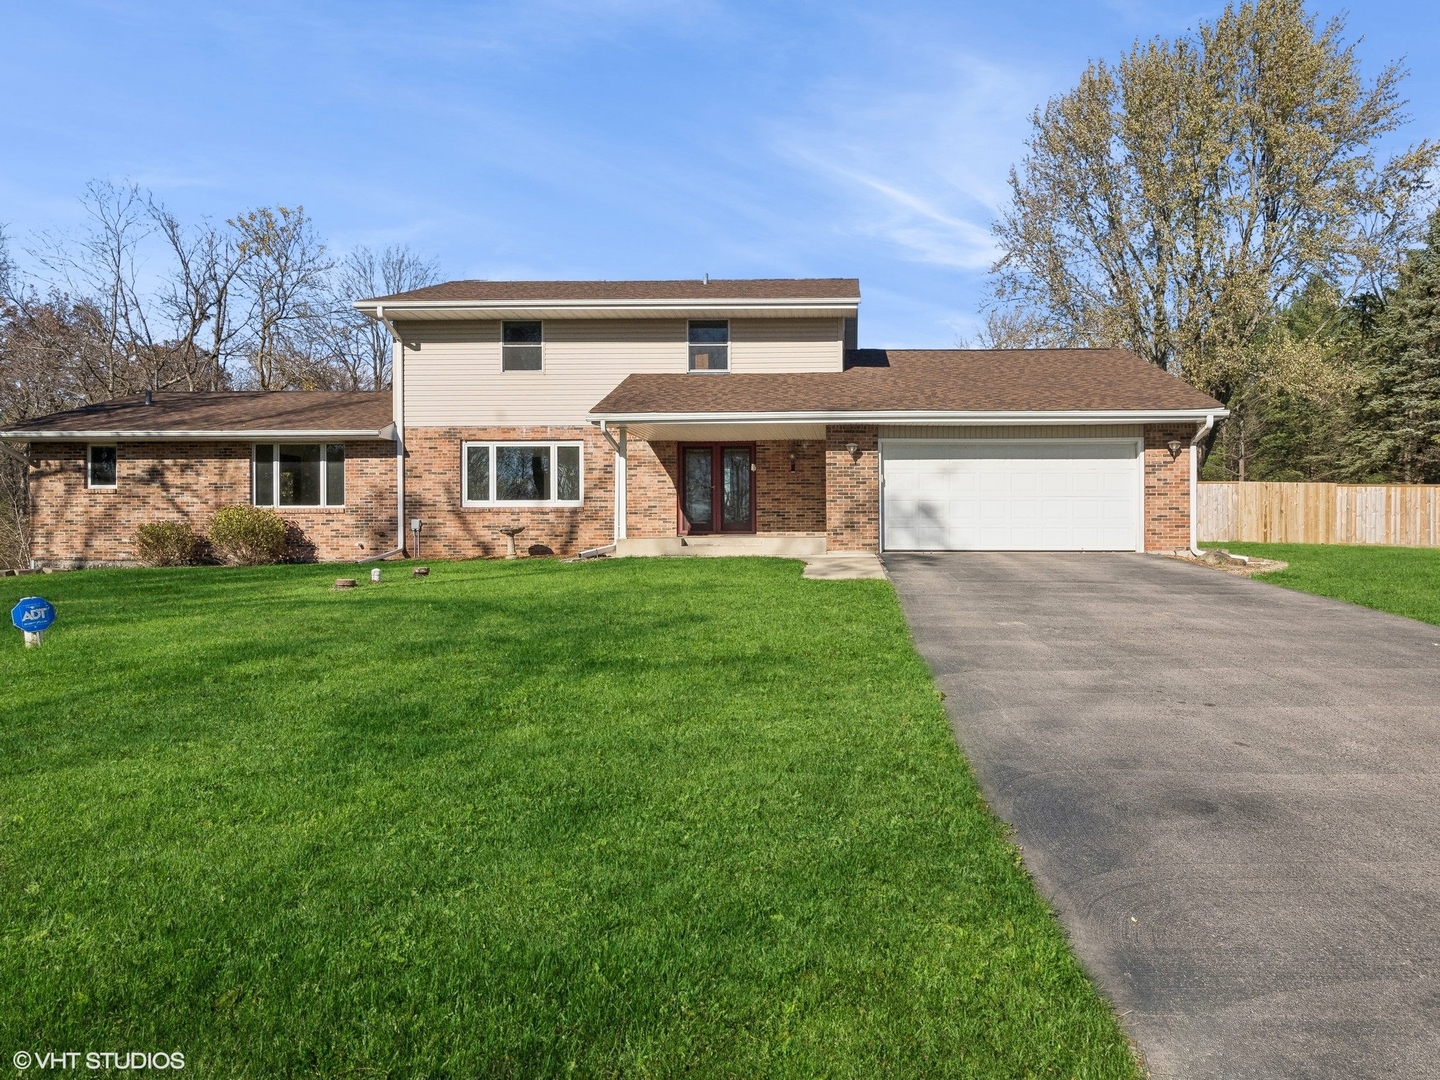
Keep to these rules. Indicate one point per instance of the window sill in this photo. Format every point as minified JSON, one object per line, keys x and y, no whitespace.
{"x":522,"y":505}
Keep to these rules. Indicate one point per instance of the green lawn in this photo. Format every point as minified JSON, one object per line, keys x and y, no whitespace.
{"x":1405,"y":581}
{"x":629,"y":818}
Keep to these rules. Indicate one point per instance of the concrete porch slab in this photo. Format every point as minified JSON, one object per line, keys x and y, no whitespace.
{"x":693,"y":546}
{"x":845,"y":566}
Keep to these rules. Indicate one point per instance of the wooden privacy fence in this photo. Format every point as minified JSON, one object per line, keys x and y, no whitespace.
{"x":1406,"y":515}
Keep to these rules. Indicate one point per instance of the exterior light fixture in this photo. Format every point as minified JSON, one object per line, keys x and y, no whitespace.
{"x":854,"y":449}
{"x":792,"y":460}
{"x":1175,"y":446}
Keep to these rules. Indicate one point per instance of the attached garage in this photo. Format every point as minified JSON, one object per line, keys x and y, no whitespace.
{"x":1011,"y":495}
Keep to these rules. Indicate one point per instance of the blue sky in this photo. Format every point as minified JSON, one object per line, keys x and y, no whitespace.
{"x":601,"y":139}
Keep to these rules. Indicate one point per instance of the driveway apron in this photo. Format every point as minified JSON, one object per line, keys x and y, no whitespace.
{"x":1229,"y":791}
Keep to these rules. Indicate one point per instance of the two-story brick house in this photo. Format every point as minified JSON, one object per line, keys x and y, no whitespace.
{"x":653,"y":416}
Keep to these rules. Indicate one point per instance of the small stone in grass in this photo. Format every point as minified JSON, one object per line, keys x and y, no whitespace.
{"x":421,"y":571}
{"x":345,"y":583}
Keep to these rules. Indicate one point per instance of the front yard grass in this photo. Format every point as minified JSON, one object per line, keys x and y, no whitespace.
{"x":1401,"y":580}
{"x":632,"y":818}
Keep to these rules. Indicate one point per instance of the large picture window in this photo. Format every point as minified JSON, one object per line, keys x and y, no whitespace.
{"x":100,"y":467}
{"x":709,"y":345}
{"x":299,"y":474}
{"x":522,"y":474}
{"x":522,"y":346}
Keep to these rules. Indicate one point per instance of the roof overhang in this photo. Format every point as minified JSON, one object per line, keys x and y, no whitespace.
{"x":901,"y":417}
{"x":697,"y":308}
{"x":386,"y":433}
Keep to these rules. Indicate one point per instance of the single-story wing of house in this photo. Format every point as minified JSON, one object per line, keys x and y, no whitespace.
{"x":646,"y":417}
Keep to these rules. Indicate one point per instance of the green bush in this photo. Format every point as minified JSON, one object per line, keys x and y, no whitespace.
{"x":166,"y":543}
{"x":248,"y":535}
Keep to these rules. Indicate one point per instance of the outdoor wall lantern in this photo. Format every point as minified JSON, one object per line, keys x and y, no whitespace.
{"x":1175,"y":446}
{"x":792,"y":460}
{"x":854,"y":449}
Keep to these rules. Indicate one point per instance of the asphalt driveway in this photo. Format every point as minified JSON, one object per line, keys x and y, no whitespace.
{"x":1229,"y":791}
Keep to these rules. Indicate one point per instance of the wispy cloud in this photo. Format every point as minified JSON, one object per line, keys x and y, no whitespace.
{"x":920,"y":165}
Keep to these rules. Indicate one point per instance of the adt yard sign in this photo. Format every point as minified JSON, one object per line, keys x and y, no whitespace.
{"x":33,"y":615}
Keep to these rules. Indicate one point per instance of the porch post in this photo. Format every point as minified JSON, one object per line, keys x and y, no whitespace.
{"x":621,"y":467}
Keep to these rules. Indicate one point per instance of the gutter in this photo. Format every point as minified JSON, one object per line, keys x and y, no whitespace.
{"x":1203,"y":431}
{"x":826,"y":305}
{"x":192,"y":436}
{"x":917,"y":417}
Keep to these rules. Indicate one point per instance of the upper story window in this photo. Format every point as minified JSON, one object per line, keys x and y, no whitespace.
{"x":709,"y":345}
{"x":521,"y":346}
{"x":300,"y":474}
{"x":100,"y":470}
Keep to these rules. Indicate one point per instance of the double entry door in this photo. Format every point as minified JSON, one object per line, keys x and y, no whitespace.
{"x":717,"y":488}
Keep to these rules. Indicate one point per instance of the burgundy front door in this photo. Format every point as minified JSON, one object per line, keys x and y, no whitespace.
{"x":717,"y":488}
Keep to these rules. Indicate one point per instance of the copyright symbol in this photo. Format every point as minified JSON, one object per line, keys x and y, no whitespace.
{"x":21,"y":1059}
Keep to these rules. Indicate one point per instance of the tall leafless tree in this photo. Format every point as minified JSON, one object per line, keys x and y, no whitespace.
{"x":284,"y":270}
{"x":364,"y":346}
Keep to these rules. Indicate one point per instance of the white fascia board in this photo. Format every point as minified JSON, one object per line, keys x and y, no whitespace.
{"x":397,"y":310}
{"x":191,"y":436}
{"x":1108,"y":416}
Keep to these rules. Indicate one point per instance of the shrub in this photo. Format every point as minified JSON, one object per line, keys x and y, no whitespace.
{"x":166,"y":543}
{"x":248,"y":535}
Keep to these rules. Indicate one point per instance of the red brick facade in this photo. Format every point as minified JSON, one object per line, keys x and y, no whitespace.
{"x":651,"y":503}
{"x":803,"y":488}
{"x":852,"y":488}
{"x":452,"y":530}
{"x":73,"y":525}
{"x":1167,"y":487}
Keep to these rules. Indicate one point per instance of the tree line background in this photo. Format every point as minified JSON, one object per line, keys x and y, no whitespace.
{"x":137,"y":300}
{"x":1219,"y":203}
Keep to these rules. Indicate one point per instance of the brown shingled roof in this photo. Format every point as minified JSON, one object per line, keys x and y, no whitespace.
{"x":240,"y":411}
{"x":948,"y":380}
{"x":744,"y":289}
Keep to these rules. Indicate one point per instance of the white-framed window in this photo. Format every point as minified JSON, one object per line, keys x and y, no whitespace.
{"x":522,"y":346}
{"x":299,"y":474}
{"x":101,"y":466}
{"x":709,"y":345}
{"x":522,"y":474}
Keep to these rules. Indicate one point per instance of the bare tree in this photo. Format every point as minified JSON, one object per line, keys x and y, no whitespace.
{"x":7,"y":267}
{"x":197,"y":295}
{"x":364,"y":345}
{"x":284,"y":270}
{"x":99,"y":266}
{"x":1174,"y":203}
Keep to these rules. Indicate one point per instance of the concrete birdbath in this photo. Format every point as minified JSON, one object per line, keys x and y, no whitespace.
{"x":510,"y":532}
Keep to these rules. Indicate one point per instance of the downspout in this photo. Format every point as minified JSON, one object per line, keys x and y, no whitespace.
{"x":1204,"y":430}
{"x":397,"y":390}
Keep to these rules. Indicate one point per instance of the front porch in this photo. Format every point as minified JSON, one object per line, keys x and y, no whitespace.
{"x":796,"y":490}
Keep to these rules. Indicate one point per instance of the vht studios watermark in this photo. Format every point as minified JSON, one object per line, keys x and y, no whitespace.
{"x":95,"y":1060}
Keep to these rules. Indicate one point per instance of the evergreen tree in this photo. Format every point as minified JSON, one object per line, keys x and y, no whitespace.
{"x":1397,"y":431}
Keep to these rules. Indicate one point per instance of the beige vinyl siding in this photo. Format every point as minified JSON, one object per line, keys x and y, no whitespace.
{"x":453,"y":376}
{"x":758,"y":345}
{"x":1012,"y":431}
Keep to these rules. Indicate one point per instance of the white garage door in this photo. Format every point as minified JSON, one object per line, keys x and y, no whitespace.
{"x":989,"y":495}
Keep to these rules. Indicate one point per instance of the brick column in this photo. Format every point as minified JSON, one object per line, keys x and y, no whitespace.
{"x":1167,"y":487}
{"x":852,"y":488}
